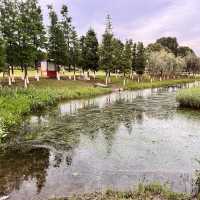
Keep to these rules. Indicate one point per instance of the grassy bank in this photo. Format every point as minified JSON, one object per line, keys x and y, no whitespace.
{"x":134,"y":85}
{"x":189,"y":98}
{"x":16,"y":102}
{"x":153,"y":191}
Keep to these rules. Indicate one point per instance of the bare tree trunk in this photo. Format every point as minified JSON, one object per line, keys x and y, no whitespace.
{"x":74,"y":73}
{"x":58,"y":73}
{"x":9,"y":76}
{"x":106,"y":78}
{"x":13,"y":76}
{"x":94,"y":75}
{"x":26,"y":81}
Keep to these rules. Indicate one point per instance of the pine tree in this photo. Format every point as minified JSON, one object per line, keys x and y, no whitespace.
{"x":140,"y":59}
{"x":106,"y":49}
{"x":67,"y":31}
{"x":134,"y":57}
{"x":74,"y":50}
{"x":2,"y":55}
{"x":9,"y":30}
{"x":56,"y":43}
{"x":127,"y":59}
{"x":118,"y":48}
{"x":37,"y":31}
{"x":91,"y":47}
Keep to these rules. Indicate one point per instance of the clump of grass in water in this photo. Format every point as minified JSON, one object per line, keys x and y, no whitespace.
{"x":3,"y":133}
{"x":152,"y":191}
{"x":189,"y":98}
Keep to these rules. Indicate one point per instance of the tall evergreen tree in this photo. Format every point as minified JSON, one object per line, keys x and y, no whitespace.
{"x":37,"y":31}
{"x":56,"y":43}
{"x":67,"y":31}
{"x":2,"y":55}
{"x":91,"y":46}
{"x":127,"y":59}
{"x":106,"y":49}
{"x":74,"y":50}
{"x":82,"y":55}
{"x":9,"y":19}
{"x":118,"y":48}
{"x":134,"y":57}
{"x":140,"y":59}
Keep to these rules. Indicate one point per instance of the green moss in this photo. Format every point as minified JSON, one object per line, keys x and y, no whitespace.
{"x":189,"y":98}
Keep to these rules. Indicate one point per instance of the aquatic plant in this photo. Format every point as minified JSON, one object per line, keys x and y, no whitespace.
{"x":151,"y":191}
{"x":189,"y":98}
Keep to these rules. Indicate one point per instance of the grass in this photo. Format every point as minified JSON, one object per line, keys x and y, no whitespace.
{"x":134,"y":85}
{"x":16,"y":102}
{"x":148,"y":192}
{"x":189,"y":98}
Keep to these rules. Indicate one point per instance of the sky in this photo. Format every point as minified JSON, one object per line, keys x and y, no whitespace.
{"x":140,"y":20}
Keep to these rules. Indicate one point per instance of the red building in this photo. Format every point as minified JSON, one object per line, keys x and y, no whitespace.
{"x":48,"y":69}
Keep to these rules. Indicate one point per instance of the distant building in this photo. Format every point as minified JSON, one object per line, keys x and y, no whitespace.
{"x":48,"y":69}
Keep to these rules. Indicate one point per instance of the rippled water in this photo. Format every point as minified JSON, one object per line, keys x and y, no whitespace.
{"x":113,"y":141}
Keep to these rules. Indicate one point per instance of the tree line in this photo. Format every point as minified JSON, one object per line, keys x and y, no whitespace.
{"x":25,"y":42}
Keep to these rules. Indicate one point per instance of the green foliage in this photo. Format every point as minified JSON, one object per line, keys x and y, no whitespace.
{"x":127,"y":57}
{"x":192,"y":63}
{"x":140,"y":59}
{"x":91,"y":50}
{"x":189,"y":97}
{"x":184,"y":51}
{"x":56,"y":43}
{"x":2,"y":55}
{"x":16,"y":102}
{"x":170,"y":43}
{"x":144,"y":192}
{"x":106,"y":49}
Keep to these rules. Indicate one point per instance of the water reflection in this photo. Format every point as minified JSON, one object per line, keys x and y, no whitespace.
{"x":115,"y":141}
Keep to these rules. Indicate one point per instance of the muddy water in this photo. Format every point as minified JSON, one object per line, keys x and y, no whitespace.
{"x":113,"y":141}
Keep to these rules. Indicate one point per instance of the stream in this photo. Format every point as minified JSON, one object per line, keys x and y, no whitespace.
{"x":113,"y":141}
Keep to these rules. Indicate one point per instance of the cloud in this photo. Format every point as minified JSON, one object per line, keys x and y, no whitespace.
{"x":140,"y":20}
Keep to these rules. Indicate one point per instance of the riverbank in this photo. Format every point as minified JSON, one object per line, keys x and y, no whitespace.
{"x":16,"y":101}
{"x":189,"y":98}
{"x":153,"y":191}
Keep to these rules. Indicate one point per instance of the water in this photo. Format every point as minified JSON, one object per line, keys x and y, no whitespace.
{"x":114,"y":141}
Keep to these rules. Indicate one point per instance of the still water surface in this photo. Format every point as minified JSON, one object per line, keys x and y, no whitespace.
{"x":113,"y":141}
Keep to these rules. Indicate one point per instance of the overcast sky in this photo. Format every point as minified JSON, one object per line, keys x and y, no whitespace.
{"x":140,"y":20}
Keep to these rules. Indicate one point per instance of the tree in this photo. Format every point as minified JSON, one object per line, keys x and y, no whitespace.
{"x":118,"y":48}
{"x":37,"y":31}
{"x":140,"y":59}
{"x":2,"y":55}
{"x":74,"y":51}
{"x":157,"y":47}
{"x":134,"y":58}
{"x":127,"y":59}
{"x":9,"y":20}
{"x":91,"y":53}
{"x":169,"y":42}
{"x":67,"y":31}
{"x":106,"y":49}
{"x":164,"y":64}
{"x":56,"y":44}
{"x":192,"y":63}
{"x":82,"y":55}
{"x":184,"y":51}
